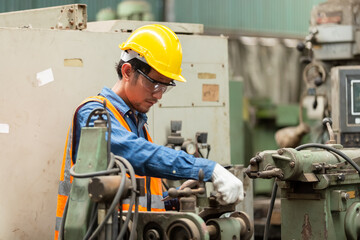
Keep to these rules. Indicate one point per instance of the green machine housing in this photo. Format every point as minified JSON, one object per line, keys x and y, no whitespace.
{"x":91,"y":157}
{"x":319,"y":191}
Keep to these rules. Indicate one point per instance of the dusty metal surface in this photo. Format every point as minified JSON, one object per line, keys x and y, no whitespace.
{"x":67,"y":17}
{"x":130,"y":25}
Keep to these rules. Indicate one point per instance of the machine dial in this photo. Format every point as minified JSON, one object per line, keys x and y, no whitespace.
{"x":189,"y":147}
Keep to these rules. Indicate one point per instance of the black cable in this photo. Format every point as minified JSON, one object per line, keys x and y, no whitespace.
{"x":114,"y":202}
{"x":208,"y":151}
{"x":94,"y":210}
{"x":135,"y":219}
{"x":115,"y":224}
{"x":165,"y":184}
{"x":93,"y":215}
{"x":316,"y":145}
{"x":92,"y":174}
{"x":99,"y":112}
{"x":109,"y":134}
{"x":271,"y":207}
{"x":200,"y":153}
{"x":123,"y":228}
{"x":129,"y":213}
{"x":95,"y":112}
{"x":93,"y":218}
{"x":132,"y":200}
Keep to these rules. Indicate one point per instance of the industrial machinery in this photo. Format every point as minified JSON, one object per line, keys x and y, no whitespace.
{"x":319,"y":189}
{"x":94,"y":208}
{"x":332,"y":51}
{"x":177,"y":142}
{"x":320,"y":182}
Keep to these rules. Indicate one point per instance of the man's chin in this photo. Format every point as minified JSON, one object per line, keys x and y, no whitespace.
{"x":143,"y":110}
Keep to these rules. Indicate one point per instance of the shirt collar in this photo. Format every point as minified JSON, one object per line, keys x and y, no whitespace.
{"x":120,"y":104}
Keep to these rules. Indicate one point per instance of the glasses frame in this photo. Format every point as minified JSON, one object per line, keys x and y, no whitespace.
{"x":153,"y":81}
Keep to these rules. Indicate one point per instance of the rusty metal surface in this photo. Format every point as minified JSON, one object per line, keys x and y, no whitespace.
{"x":306,"y":232}
{"x":104,"y":188}
{"x":67,"y":17}
{"x":165,"y":223}
{"x":247,"y":225}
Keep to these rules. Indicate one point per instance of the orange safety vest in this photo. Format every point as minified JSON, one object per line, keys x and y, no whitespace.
{"x":67,"y":163}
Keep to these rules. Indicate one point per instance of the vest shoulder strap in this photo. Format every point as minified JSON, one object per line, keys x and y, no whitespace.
{"x":111,"y":107}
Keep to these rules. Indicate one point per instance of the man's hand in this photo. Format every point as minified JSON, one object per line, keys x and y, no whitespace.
{"x":229,"y":187}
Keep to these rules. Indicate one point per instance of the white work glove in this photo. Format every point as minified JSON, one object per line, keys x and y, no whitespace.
{"x":230,"y":188}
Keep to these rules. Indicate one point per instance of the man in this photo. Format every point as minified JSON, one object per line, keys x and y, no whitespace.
{"x":149,"y":64}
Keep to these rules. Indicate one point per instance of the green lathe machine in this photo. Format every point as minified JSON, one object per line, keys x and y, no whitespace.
{"x":94,"y":208}
{"x":319,"y":188}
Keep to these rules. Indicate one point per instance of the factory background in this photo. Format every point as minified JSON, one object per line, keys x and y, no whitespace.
{"x":264,"y":65}
{"x":278,"y":18}
{"x":263,"y":36}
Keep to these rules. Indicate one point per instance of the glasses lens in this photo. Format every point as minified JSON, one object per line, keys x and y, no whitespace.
{"x":155,"y":86}
{"x":168,"y":89}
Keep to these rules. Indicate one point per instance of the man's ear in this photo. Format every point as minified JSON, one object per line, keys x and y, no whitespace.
{"x":126,"y":71}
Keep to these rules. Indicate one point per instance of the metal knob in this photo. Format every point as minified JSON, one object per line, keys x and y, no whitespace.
{"x":328,"y":123}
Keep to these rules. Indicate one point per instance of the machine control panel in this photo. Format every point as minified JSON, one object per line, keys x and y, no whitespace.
{"x":345,"y":94}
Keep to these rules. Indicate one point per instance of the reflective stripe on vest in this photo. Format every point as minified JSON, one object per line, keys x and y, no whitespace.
{"x":65,"y":181}
{"x":67,"y":163}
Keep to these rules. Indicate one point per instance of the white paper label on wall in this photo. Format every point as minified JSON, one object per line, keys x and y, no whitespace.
{"x":4,"y":128}
{"x":44,"y":77}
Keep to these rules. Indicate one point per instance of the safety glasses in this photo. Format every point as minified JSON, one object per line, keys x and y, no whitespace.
{"x":156,"y":86}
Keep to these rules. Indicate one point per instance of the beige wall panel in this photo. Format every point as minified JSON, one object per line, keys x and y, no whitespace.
{"x":38,"y":117}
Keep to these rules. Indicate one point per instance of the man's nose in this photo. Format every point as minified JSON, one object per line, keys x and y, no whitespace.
{"x":158,"y":95}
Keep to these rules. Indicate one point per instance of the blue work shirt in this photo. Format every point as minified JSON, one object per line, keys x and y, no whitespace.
{"x":147,"y":159}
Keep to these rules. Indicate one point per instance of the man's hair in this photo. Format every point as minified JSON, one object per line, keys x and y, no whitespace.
{"x":135,"y":64}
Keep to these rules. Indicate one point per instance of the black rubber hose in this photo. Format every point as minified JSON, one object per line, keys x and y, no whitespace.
{"x":269,"y":214}
{"x":132,"y":200}
{"x":93,"y":218}
{"x":135,"y":219}
{"x":202,"y":156}
{"x":93,"y":215}
{"x":208,"y":152}
{"x":316,"y":145}
{"x":93,"y":113}
{"x":108,"y":120}
{"x":109,"y":135}
{"x":92,"y":174}
{"x":113,"y":204}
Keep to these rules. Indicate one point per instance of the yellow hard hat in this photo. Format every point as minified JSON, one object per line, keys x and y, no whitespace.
{"x":160,"y":47}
